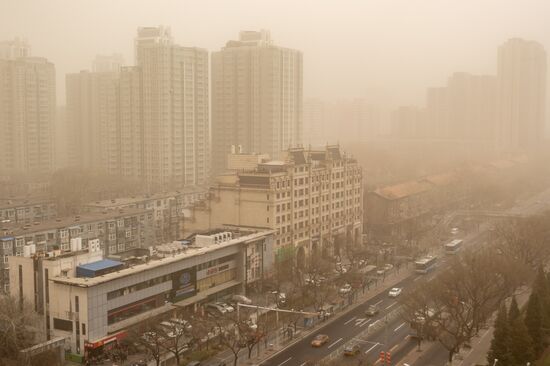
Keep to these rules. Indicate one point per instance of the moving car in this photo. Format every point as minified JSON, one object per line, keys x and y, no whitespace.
{"x":352,"y":350}
{"x":372,"y":310}
{"x":346,"y":289}
{"x":319,"y":340}
{"x":394,"y":292}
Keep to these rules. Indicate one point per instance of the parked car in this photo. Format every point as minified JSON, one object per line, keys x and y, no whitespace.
{"x":372,"y":310}
{"x":346,"y":289}
{"x":380,"y":271}
{"x":352,"y":350}
{"x":394,"y":292}
{"x":319,"y":340}
{"x":216,"y":309}
{"x":455,"y":230}
{"x":227,"y":307}
{"x":388,"y":266}
{"x":184,"y":323}
{"x":281,"y":298}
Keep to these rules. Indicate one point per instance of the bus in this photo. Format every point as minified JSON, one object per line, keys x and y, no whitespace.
{"x":425,"y":265}
{"x":453,"y":247}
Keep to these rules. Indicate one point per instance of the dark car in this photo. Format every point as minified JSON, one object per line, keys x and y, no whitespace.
{"x":351,"y":350}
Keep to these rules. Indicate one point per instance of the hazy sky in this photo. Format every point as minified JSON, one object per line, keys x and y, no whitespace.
{"x":363,"y":48}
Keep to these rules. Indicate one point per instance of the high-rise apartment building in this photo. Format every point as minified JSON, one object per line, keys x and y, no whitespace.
{"x":313,"y":200}
{"x":14,"y":49}
{"x":521,"y":94}
{"x":27,"y":111}
{"x":107,"y":63}
{"x":149,"y":121}
{"x":256,"y":98}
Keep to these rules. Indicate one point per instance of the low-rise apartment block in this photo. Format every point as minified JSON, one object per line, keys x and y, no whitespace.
{"x":93,"y":301}
{"x":117,"y":231}
{"x":27,"y":210}
{"x":313,"y":199}
{"x":168,"y":209}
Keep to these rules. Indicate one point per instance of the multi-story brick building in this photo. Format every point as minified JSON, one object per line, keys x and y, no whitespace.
{"x":117,"y":231}
{"x":168,"y":209}
{"x":313,"y":199}
{"x":27,"y":210}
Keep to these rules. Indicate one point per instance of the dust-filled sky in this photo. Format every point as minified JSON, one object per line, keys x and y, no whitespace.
{"x":388,"y":50}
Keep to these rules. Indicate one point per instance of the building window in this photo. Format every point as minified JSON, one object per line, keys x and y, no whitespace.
{"x":6,"y":258}
{"x":83,"y":329}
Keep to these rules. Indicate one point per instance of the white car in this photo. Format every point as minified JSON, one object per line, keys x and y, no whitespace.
{"x":227,"y":307}
{"x":394,"y":292}
{"x":346,"y":289}
{"x":454,"y":230}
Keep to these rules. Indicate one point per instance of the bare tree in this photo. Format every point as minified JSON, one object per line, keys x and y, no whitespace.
{"x":20,"y":327}
{"x":151,"y":337}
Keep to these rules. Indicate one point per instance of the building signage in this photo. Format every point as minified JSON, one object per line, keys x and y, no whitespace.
{"x":183,"y":284}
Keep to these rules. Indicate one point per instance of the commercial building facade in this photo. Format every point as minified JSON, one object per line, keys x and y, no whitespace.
{"x":93,"y":301}
{"x":313,"y":200}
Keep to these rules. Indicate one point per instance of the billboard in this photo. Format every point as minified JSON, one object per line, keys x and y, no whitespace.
{"x":184,"y":284}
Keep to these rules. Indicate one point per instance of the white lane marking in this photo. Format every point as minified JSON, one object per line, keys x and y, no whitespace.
{"x":378,"y":303}
{"x":417,"y":278}
{"x":399,"y":327}
{"x":349,"y":321}
{"x":365,"y":323}
{"x":394,"y":347}
{"x":391,"y":305}
{"x":303,"y":364}
{"x":339,"y":340}
{"x":285,"y":361}
{"x":370,"y":349}
{"x":374,"y":323}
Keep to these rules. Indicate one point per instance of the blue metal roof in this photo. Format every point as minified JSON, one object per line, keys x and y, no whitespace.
{"x":102,"y":264}
{"x":7,"y":238}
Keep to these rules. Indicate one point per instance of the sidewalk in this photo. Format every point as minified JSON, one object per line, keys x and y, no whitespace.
{"x":279,"y":342}
{"x":415,"y":354}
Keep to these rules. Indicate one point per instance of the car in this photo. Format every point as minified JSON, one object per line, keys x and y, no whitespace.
{"x":227,"y":307}
{"x":251,"y":324}
{"x":362,"y":262}
{"x":388,"y":266}
{"x":184,"y":323}
{"x":319,"y":340}
{"x":454,"y":230}
{"x":394,"y":292}
{"x":216,"y":308}
{"x":352,"y":350}
{"x":380,"y":271}
{"x":281,"y":298}
{"x":346,"y":289}
{"x":372,"y":310}
{"x":194,"y":363}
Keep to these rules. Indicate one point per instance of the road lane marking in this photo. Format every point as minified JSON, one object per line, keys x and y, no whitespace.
{"x":339,"y":340}
{"x":365,"y":323}
{"x":391,"y":305}
{"x":349,"y":321}
{"x":370,"y":349}
{"x":303,"y":364}
{"x":399,"y":327}
{"x":417,"y":278}
{"x":374,"y":323}
{"x":394,"y":347}
{"x":378,"y":303}
{"x":285,"y":361}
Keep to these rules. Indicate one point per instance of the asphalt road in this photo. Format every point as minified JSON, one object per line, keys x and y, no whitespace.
{"x":394,"y":337}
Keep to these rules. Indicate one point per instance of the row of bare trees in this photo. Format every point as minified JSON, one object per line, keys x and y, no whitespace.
{"x":459,"y":301}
